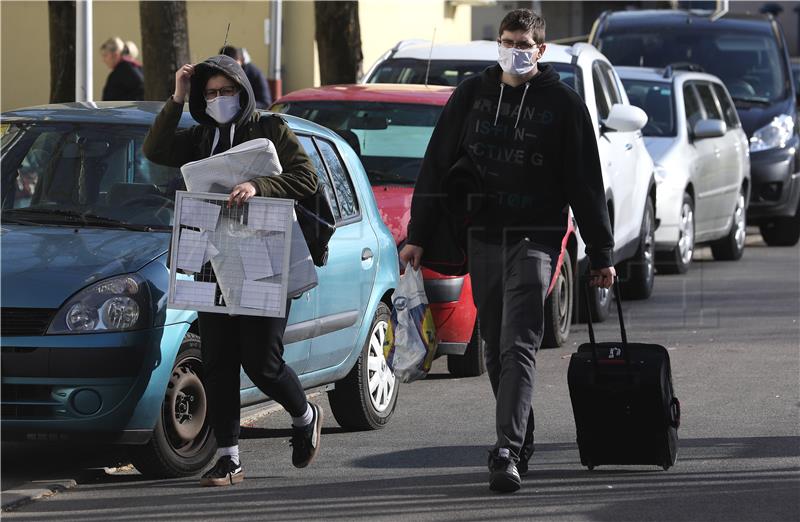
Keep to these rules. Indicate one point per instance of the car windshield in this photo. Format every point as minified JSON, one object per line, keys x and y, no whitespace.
{"x":390,"y":138}
{"x":654,"y":98}
{"x":448,"y":72}
{"x":750,"y":65}
{"x":84,"y":173}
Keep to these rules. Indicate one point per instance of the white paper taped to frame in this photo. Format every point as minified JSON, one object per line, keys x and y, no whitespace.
{"x":231,"y":260}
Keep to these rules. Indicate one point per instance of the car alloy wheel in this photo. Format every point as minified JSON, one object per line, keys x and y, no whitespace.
{"x":381,"y":378}
{"x":637,"y":274}
{"x":740,"y":222}
{"x":686,"y":233}
{"x":731,"y":246}
{"x":649,"y":248}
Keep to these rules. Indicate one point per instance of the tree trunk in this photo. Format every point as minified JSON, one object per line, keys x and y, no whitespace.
{"x":165,"y":45}
{"x":62,"y":51}
{"x":338,"y":35}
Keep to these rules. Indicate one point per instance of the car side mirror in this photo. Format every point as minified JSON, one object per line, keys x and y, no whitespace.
{"x":625,"y":118}
{"x":709,"y":129}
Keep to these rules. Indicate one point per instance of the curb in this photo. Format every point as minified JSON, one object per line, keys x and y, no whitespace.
{"x":27,"y":493}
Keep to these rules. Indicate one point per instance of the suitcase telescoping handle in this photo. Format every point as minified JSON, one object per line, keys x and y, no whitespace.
{"x":618,"y":299}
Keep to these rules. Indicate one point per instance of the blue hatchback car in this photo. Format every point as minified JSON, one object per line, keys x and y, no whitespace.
{"x":90,"y":350}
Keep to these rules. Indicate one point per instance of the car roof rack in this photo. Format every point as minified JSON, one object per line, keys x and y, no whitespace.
{"x":681,"y":66}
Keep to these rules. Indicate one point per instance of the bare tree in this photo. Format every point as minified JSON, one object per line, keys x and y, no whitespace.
{"x":338,"y":34}
{"x":165,"y":45}
{"x":62,"y":51}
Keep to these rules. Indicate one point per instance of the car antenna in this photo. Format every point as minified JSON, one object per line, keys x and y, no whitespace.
{"x":430,"y":55}
{"x":225,"y":42}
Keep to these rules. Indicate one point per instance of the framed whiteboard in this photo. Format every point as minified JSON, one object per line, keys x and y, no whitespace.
{"x":232,"y":260}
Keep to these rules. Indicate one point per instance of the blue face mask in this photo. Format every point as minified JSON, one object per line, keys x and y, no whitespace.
{"x":516,"y":61}
{"x":223,"y":108}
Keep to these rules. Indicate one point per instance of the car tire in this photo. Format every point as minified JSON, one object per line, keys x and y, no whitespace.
{"x":473,"y":362}
{"x":731,"y":247}
{"x":782,"y":231}
{"x":638,"y":273}
{"x":599,"y":302}
{"x":183,"y":443}
{"x":558,"y":307}
{"x":354,"y":405}
{"x":678,"y":260}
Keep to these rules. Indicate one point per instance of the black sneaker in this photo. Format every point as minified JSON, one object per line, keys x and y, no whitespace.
{"x":522,"y":466}
{"x":305,"y":440}
{"x":525,"y":455}
{"x":503,"y":474}
{"x":224,"y":473}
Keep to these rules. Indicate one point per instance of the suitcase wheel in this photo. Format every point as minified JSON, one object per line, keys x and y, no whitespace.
{"x":665,"y":467}
{"x":590,"y":467}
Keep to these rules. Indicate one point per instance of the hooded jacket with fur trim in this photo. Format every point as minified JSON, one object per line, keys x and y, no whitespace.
{"x":535,"y":149}
{"x":165,"y":144}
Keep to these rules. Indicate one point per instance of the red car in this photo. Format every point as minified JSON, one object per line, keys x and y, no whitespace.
{"x":389,"y":127}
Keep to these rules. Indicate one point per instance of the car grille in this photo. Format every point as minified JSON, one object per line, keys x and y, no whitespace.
{"x":25,"y":321}
{"x":27,"y":401}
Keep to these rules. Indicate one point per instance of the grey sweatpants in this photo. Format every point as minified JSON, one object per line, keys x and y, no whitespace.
{"x":509,"y":286}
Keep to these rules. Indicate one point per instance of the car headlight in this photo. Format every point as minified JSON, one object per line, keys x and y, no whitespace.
{"x":773,"y":135}
{"x":113,"y":305}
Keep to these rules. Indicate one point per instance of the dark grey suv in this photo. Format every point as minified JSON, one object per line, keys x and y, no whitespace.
{"x":749,"y":54}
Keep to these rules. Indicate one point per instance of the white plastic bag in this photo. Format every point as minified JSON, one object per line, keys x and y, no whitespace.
{"x":410,"y":344}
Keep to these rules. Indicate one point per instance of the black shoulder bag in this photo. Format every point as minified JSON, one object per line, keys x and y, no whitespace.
{"x":315,"y":217}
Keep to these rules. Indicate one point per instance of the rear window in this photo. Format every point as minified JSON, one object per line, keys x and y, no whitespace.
{"x":449,"y":72}
{"x":654,"y":98}
{"x":750,"y":65}
{"x":390,"y":138}
{"x":441,"y":72}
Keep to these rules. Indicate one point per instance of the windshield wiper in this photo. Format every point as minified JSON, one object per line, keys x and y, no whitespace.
{"x":17,"y":221}
{"x":389,"y":177}
{"x":85,"y":218}
{"x":748,"y":99}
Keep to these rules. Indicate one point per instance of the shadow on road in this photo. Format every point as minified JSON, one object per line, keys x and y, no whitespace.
{"x":701,"y":486}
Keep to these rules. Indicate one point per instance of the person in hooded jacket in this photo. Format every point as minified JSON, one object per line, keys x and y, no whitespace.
{"x":532,"y":143}
{"x":221,"y":100}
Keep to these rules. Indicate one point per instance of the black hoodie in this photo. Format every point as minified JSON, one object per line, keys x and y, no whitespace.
{"x":166,"y":145}
{"x":536,"y":151}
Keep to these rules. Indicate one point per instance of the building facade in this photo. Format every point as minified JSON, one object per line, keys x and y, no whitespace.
{"x":25,"y":42}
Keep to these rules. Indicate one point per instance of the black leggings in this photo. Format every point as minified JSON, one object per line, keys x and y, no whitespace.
{"x":255,"y":344}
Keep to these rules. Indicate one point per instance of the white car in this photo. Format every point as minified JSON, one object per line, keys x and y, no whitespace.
{"x":702,"y":161}
{"x":628,"y":171}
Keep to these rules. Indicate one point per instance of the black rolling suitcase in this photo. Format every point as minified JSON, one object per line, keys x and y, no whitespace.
{"x":623,"y":401}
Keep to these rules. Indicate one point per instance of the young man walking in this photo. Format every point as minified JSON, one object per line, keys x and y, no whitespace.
{"x":531,"y":140}
{"x":221,"y":100}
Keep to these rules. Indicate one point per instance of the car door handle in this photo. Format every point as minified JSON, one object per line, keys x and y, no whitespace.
{"x":366,"y":254}
{"x":628,"y":146}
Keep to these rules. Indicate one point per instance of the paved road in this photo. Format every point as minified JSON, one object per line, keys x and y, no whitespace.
{"x":734,"y":337}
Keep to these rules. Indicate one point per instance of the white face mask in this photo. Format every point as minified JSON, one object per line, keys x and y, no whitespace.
{"x":516,"y":61}
{"x":223,"y":108}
